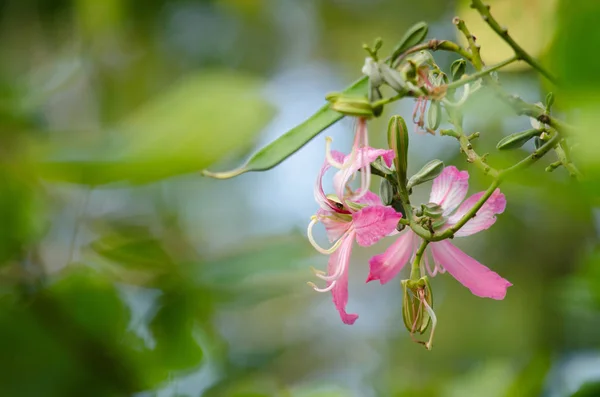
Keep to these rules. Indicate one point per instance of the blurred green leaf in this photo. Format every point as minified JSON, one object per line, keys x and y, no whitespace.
{"x":290,"y":142}
{"x":530,"y":380}
{"x":198,"y":121}
{"x":591,"y":389}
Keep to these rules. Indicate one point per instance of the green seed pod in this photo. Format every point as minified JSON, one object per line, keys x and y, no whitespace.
{"x":458,"y":68}
{"x":426,"y":173}
{"x":398,"y":142}
{"x":357,"y":106}
{"x":434,"y":115}
{"x":516,"y":140}
{"x":416,"y":318}
{"x":386,"y":192}
{"x":413,"y":36}
{"x":549,"y":101}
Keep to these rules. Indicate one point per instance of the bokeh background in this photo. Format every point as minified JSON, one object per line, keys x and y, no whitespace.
{"x":123,"y":272}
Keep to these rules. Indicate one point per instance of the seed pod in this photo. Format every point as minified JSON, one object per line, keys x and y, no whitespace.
{"x":398,"y":142}
{"x":434,"y":115}
{"x":386,"y":192}
{"x":516,"y":140}
{"x":458,"y":68}
{"x":358,"y":106}
{"x":413,"y":36}
{"x":416,"y":318}
{"x":426,"y":173}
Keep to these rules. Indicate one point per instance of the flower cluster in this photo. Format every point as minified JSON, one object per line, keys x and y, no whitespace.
{"x":360,"y":215}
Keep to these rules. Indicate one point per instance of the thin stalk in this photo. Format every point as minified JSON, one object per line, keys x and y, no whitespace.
{"x":480,"y":74}
{"x":484,"y":11}
{"x":415,"y":270}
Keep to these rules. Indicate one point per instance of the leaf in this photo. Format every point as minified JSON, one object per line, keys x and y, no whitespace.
{"x":193,"y":124}
{"x":516,"y":140}
{"x":413,"y":36}
{"x":290,"y":142}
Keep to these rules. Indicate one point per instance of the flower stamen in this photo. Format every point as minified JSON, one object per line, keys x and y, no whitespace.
{"x":326,"y":289}
{"x":329,"y":156}
{"x":329,"y":251}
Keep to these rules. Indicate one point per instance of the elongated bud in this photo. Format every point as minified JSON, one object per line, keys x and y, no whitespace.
{"x":427,"y":173}
{"x":413,"y":36}
{"x":398,"y":142}
{"x":414,"y":312}
{"x":434,"y":115}
{"x":386,"y":192}
{"x":458,"y":68}
{"x":516,"y":140}
{"x":357,"y":106}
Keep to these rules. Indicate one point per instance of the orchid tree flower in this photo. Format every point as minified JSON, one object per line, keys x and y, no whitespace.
{"x":448,"y":191}
{"x":349,"y":216}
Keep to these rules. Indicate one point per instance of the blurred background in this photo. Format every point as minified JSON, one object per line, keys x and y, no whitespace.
{"x":123,"y":272}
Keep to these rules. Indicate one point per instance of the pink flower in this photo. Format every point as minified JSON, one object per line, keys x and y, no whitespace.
{"x":347,"y":217}
{"x":449,"y":190}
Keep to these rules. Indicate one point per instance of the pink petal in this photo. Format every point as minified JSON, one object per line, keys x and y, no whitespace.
{"x":479,"y":279}
{"x":338,"y":156}
{"x":363,"y":157}
{"x":334,"y":226}
{"x":371,"y":224}
{"x":449,"y":188}
{"x":369,"y":198}
{"x":386,"y":266}
{"x":341,"y":257}
{"x":485,"y":217}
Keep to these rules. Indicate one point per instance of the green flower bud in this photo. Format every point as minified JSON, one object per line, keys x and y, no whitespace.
{"x":357,"y":106}
{"x":427,"y":173}
{"x":549,"y":101}
{"x":386,"y":192}
{"x":516,"y":140}
{"x":393,"y":78}
{"x":398,"y":142}
{"x":432,"y":210}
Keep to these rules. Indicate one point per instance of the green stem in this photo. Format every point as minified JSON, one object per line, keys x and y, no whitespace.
{"x":433,"y":45}
{"x":484,"y":11}
{"x":415,"y":270}
{"x":484,"y":72}
{"x":533,"y":157}
{"x":564,"y":155}
{"x":475,"y":55}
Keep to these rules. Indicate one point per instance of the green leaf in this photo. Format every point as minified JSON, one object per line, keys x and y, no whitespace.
{"x":516,"y":140}
{"x":290,"y":142}
{"x":413,"y":36}
{"x":192,"y":125}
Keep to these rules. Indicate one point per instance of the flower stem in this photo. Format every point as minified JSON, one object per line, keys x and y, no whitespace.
{"x":481,"y":73}
{"x":484,"y":11}
{"x":415,"y":270}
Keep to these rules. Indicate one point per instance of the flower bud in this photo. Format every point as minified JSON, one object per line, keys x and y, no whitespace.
{"x":549,"y":101}
{"x":386,"y":192}
{"x":393,"y":78}
{"x":432,"y":210}
{"x":357,"y":106}
{"x":434,"y":115}
{"x":398,"y":142}
{"x":458,"y":68}
{"x":516,"y":140}
{"x":427,"y":173}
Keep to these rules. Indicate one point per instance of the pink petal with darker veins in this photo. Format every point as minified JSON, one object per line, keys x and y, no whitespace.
{"x":338,"y":262}
{"x":334,"y":226}
{"x":371,"y":224}
{"x":386,"y":266}
{"x":449,"y":188}
{"x":485,"y":217}
{"x":476,"y":277}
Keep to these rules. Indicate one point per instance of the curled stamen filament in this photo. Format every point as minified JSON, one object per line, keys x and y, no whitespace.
{"x":336,"y":245}
{"x":428,"y":267}
{"x":320,"y":274}
{"x":463,"y":98}
{"x":365,"y":172}
{"x":433,"y":319}
{"x":329,"y":156}
{"x":326,"y":289}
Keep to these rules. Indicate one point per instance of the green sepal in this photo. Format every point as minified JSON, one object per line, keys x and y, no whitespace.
{"x":429,"y":171}
{"x":413,"y":36}
{"x":458,"y":68}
